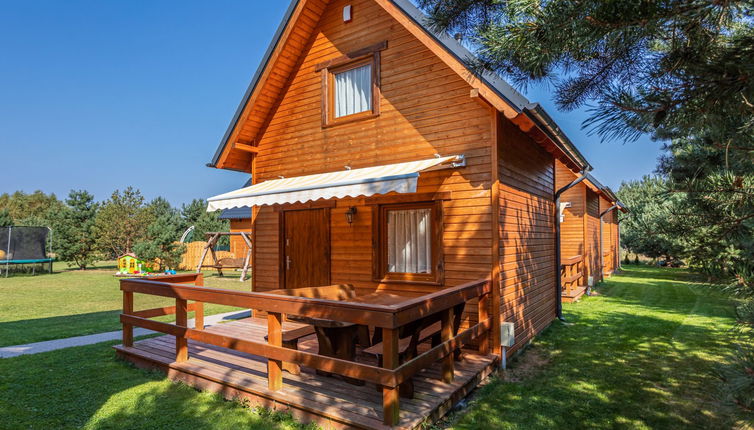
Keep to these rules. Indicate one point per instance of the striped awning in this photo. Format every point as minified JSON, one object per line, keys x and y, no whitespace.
{"x":400,"y":178}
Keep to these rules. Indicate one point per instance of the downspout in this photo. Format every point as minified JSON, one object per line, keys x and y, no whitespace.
{"x":602,"y":258}
{"x":558,"y":280}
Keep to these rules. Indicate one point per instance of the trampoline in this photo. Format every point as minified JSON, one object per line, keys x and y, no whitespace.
{"x":24,"y":245}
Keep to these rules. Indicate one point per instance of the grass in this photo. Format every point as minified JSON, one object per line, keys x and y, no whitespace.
{"x":74,"y":302}
{"x":88,"y":388}
{"x":640,"y":355}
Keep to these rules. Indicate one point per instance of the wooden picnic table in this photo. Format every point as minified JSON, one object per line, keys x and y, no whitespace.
{"x":338,"y":339}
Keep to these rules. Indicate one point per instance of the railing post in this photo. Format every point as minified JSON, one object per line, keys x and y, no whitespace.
{"x":128,"y":309}
{"x":199,"y":315}
{"x":484,"y":314}
{"x":274,"y":337}
{"x":446,"y":334}
{"x":199,"y":306}
{"x":390,"y":396}
{"x":181,"y":320}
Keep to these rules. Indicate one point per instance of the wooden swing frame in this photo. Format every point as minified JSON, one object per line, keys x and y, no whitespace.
{"x":212,"y":238}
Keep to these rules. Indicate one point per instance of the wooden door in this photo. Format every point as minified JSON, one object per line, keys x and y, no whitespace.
{"x":306,"y":248}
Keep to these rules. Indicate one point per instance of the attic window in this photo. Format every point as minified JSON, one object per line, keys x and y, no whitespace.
{"x":351,"y":86}
{"x":352,"y":90}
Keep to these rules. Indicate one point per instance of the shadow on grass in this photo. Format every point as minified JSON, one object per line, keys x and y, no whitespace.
{"x":640,"y":356}
{"x":42,"y":329}
{"x":87,"y":387}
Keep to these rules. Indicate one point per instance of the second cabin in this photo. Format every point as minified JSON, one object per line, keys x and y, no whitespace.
{"x":589,"y":234}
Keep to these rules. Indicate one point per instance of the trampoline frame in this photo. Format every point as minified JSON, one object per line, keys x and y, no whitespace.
{"x":7,"y":263}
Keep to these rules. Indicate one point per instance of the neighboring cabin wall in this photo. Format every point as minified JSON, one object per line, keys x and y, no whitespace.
{"x":608,"y":237}
{"x":572,"y":228}
{"x":592,"y":234}
{"x":527,"y":245}
{"x":425,"y":109}
{"x":237,"y":245}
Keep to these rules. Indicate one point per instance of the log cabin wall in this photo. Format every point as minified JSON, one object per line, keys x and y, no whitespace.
{"x":572,"y":227}
{"x":237,"y":245}
{"x":527,"y":234}
{"x":608,"y":239}
{"x":592,"y":234}
{"x":425,"y":108}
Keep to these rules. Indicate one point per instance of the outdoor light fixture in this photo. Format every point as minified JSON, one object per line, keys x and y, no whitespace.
{"x":350,"y":213}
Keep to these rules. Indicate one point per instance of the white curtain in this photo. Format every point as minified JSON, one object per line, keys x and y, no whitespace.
{"x":409,"y":238}
{"x":353,"y":91}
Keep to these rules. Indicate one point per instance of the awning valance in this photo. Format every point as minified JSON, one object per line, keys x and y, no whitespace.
{"x":400,"y":178}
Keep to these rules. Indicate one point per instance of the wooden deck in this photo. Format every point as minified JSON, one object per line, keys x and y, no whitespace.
{"x":327,"y":400}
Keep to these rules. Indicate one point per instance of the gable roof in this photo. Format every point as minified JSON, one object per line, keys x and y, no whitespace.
{"x":530,"y":117}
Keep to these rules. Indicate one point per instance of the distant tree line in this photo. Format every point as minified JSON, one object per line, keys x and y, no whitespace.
{"x":86,"y":231}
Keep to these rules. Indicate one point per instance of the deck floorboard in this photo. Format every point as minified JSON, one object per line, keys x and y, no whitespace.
{"x":330,"y":401}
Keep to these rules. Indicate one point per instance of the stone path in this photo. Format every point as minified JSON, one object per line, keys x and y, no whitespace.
{"x":52,"y":345}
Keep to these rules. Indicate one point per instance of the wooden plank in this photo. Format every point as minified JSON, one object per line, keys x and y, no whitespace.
{"x":351,"y":56}
{"x":274,"y":338}
{"x":181,"y":320}
{"x":446,"y":334}
{"x":128,"y":308}
{"x":390,"y":395}
{"x":240,"y":146}
{"x":329,"y":364}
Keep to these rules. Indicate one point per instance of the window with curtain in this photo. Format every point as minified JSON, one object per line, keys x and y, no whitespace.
{"x":352,"y":91}
{"x":409,"y":241}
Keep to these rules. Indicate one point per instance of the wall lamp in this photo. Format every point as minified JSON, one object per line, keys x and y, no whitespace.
{"x":350,"y":213}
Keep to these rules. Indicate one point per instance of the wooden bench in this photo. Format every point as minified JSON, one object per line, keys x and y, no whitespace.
{"x":404,"y":343}
{"x":423,"y":330}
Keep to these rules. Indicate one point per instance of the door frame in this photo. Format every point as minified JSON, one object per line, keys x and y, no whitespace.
{"x":282,"y":209}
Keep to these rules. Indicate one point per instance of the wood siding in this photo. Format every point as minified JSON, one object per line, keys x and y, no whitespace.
{"x":425,"y":109}
{"x":592,"y":234}
{"x":527,"y":234}
{"x":609,"y":237}
{"x":237,"y":245}
{"x":572,"y":229}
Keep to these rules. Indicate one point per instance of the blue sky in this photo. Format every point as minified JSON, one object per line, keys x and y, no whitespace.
{"x":100,"y":95}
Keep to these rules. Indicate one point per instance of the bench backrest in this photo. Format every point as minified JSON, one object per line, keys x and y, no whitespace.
{"x":329,"y":292}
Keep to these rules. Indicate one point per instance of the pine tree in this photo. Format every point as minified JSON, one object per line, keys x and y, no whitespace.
{"x":75,"y":240}
{"x":195,"y":213}
{"x":681,"y":71}
{"x":161,"y":239}
{"x":121,"y":221}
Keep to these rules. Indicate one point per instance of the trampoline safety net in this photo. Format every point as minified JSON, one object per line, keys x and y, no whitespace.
{"x":23,"y":243}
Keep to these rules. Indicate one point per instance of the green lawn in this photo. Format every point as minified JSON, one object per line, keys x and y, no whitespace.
{"x":73,"y":302}
{"x":640,"y":355}
{"x":87,"y":387}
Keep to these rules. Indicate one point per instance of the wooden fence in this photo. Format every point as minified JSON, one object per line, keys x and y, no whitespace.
{"x":190,"y":258}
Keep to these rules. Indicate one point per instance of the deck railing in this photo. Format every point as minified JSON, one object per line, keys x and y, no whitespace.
{"x":390,"y":318}
{"x":571,"y":272}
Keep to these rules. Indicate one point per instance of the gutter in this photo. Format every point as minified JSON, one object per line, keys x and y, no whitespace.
{"x":558,"y":280}
{"x":539,"y":116}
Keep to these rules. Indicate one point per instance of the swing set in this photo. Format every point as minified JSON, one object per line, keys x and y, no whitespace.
{"x":225,"y":263}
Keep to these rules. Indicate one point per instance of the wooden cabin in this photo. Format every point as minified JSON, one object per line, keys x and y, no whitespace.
{"x":240,"y":221}
{"x":392,"y":189}
{"x":585,"y":259}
